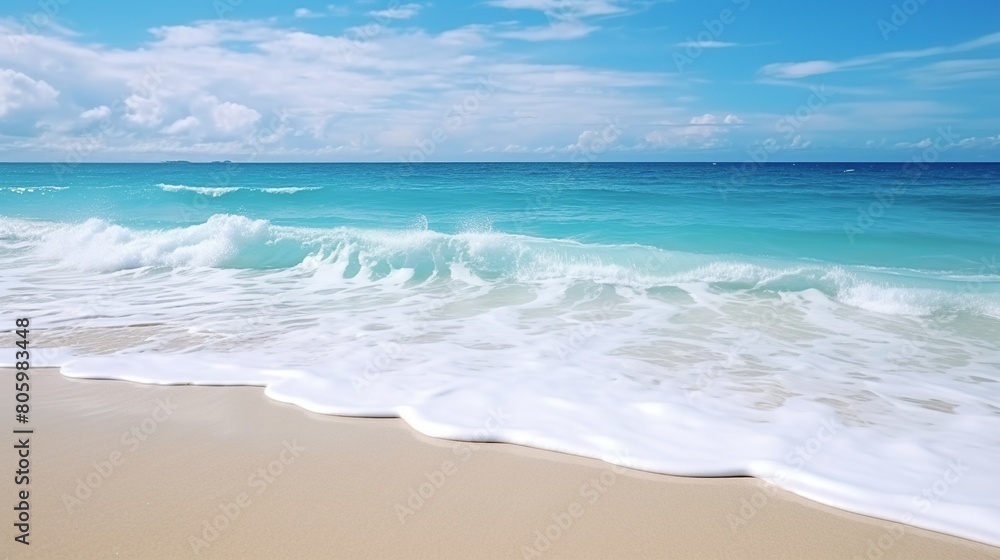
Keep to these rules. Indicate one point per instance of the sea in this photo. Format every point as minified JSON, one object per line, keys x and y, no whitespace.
{"x":832,"y":329}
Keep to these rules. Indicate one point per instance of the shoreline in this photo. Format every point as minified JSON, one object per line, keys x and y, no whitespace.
{"x":153,"y":471}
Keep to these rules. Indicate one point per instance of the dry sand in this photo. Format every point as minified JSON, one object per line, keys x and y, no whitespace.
{"x":115,"y":475}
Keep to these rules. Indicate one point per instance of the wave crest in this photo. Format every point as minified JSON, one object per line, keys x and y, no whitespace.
{"x":216,"y":192}
{"x":25,"y":190}
{"x":419,"y":255}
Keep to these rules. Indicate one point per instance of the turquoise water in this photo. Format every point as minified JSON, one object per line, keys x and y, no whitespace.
{"x":693,"y":319}
{"x":942,"y":218}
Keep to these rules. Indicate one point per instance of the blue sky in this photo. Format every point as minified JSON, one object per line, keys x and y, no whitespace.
{"x":499,"y":80}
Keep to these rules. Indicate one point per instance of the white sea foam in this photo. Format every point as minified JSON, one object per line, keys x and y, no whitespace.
{"x":216,"y":192}
{"x":857,"y":388}
{"x":25,"y":190}
{"x":100,"y":246}
{"x":289,"y":190}
{"x":206,"y":191}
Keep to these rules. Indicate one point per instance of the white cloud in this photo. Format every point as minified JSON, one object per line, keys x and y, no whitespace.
{"x":921,"y":144}
{"x":707,"y":118}
{"x":559,"y":31}
{"x":231,"y":117}
{"x":213,"y":33}
{"x":466,"y":36}
{"x":952,"y":72}
{"x":215,"y":89}
{"x":799,"y":143}
{"x":708,"y":122}
{"x":566,"y":9}
{"x":979,"y":141}
{"x":18,"y":90}
{"x":406,"y":11}
{"x":97,"y":113}
{"x":307,"y":13}
{"x":592,"y":143}
{"x":181,"y":126}
{"x":826,"y":89}
{"x":706,"y":44}
{"x":794,"y":70}
{"x":565,"y":18}
{"x":702,"y":131}
{"x":185,"y":36}
{"x":144,"y":111}
{"x":876,"y":116}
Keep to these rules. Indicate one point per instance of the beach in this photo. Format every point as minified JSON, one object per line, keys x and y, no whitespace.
{"x":505,"y":279}
{"x":126,"y":470}
{"x":633,"y":321}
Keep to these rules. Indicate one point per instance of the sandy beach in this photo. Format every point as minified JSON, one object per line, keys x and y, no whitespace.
{"x":124,"y":470}
{"x":520,"y":279}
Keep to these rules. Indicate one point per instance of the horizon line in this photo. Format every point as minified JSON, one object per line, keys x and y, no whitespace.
{"x":745,"y":162}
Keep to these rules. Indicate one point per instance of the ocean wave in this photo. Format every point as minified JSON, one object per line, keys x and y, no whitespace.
{"x":289,"y":190}
{"x":238,"y":242}
{"x":818,"y":377}
{"x":216,"y":192}
{"x":24,"y":190}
